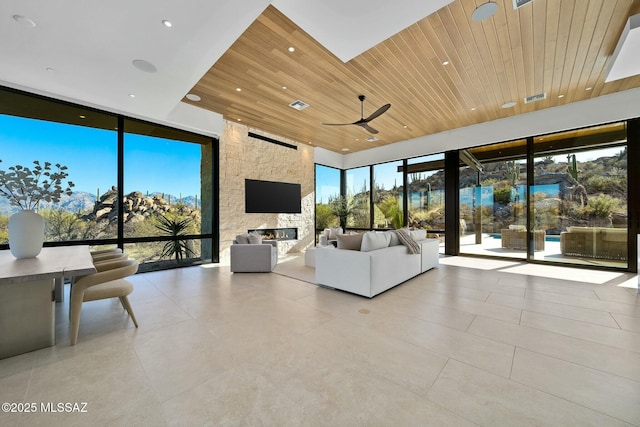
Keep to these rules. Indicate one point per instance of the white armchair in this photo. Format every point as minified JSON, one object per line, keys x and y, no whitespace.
{"x":254,"y":258}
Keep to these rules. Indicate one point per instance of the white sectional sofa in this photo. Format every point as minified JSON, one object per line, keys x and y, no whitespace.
{"x":372,"y":272}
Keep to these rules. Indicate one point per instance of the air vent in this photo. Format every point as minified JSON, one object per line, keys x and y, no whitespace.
{"x":534,"y":98}
{"x":371,"y":139}
{"x":298,"y":105}
{"x":520,"y":3}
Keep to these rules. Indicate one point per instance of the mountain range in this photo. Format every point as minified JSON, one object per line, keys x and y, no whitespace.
{"x":81,"y":202}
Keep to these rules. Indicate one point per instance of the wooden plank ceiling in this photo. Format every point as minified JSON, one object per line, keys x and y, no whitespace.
{"x":561,"y":47}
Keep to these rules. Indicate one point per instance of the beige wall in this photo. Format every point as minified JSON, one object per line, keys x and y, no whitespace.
{"x":243,"y":157}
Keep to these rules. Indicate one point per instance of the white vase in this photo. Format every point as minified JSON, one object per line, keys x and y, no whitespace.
{"x":26,"y":234}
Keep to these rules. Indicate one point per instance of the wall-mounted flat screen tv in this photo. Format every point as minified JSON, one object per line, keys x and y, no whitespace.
{"x":271,"y":197}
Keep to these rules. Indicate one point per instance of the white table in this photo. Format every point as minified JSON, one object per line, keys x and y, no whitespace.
{"x":27,"y":312}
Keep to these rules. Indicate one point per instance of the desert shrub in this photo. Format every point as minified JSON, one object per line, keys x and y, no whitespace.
{"x":388,"y":212}
{"x":418,"y":216}
{"x":63,"y":225}
{"x":4,"y":229}
{"x":325,"y":217}
{"x":601,"y":206}
{"x":502,"y":195}
{"x":607,"y":184}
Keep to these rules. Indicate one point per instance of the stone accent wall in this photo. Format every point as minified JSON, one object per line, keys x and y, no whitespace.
{"x":242,"y":157}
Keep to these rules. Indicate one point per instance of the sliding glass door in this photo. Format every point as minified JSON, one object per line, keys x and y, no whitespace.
{"x":579,"y":196}
{"x":493,"y":216}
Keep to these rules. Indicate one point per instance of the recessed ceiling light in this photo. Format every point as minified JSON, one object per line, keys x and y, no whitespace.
{"x":345,"y":149}
{"x":560,"y":96}
{"x":82,"y":117}
{"x":239,"y":120}
{"x":131,"y":95}
{"x":484,"y":11}
{"x":292,"y":49}
{"x":145,"y":66}
{"x":24,"y":20}
{"x":405,"y":126}
{"x":167,"y":23}
{"x":589,"y":88}
{"x":445,"y":63}
{"x":473,"y":108}
{"x":509,"y":104}
{"x":193,"y":97}
{"x":284,"y":88}
{"x":238,"y":89}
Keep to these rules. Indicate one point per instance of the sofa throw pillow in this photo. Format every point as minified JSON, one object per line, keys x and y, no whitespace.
{"x":419,"y":234}
{"x":393,"y":238}
{"x":243,"y":239}
{"x":255,"y":238}
{"x":334,"y":232}
{"x":350,"y":241}
{"x":405,"y":238}
{"x":372,"y":241}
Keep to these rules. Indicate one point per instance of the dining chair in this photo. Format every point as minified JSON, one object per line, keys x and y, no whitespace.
{"x":101,"y":255}
{"x":104,"y":284}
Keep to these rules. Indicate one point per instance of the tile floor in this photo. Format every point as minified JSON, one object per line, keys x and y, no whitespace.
{"x":474,"y":342}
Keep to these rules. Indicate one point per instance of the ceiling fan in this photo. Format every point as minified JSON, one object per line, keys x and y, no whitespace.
{"x":364,"y":123}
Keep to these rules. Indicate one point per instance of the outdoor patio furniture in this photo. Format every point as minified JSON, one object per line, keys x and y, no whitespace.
{"x":594,"y":242}
{"x":517,"y":239}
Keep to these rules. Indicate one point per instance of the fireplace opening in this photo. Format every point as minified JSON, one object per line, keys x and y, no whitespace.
{"x":277,"y":233}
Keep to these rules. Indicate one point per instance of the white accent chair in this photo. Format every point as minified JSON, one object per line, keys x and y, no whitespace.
{"x":254,"y":257}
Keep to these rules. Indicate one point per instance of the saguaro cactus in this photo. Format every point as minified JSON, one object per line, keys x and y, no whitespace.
{"x":572,"y":166}
{"x":513,"y":172}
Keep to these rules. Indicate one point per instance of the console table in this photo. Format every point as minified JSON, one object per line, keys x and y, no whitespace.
{"x":27,"y":311}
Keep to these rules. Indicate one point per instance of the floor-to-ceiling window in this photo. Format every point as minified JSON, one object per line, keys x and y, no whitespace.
{"x":328,"y":200}
{"x":359,"y":197}
{"x":425,"y":192}
{"x":164,"y":215}
{"x":559,"y":198}
{"x":82,"y":141}
{"x":388,"y":195}
{"x":578,"y":200}
{"x":493,"y":200}
{"x":162,"y":194}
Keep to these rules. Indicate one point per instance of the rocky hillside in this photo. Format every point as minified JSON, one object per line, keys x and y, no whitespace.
{"x":137,"y":207}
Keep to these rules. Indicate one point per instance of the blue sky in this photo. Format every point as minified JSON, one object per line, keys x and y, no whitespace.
{"x":151,"y":164}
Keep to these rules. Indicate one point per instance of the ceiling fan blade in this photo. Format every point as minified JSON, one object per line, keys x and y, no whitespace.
{"x":369,"y":128}
{"x":380,"y":111}
{"x":337,"y":124}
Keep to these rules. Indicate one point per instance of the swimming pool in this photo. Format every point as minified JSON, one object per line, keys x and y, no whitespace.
{"x":547,"y":238}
